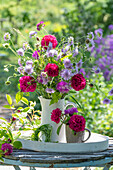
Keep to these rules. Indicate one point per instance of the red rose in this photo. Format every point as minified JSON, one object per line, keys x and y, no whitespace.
{"x":55,"y":115}
{"x":78,"y":82}
{"x":27,"y":84}
{"x":77,"y":123}
{"x":52,"y":69}
{"x":49,"y":38}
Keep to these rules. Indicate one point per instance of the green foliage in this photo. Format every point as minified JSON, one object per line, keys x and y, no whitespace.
{"x":17,"y":144}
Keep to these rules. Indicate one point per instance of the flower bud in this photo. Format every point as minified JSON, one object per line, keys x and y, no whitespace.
{"x":37,"y":38}
{"x":91,"y":85}
{"x":7,"y":82}
{"x":13,"y":119}
{"x":14,"y":75}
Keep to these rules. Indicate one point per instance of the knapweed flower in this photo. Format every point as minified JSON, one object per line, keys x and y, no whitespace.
{"x":32,"y":34}
{"x":90,"y":36}
{"x":55,"y":115}
{"x":49,"y":90}
{"x":78,"y":82}
{"x":40,"y":25}
{"x":29,"y":69}
{"x":98,"y":33}
{"x":77,"y":123}
{"x":27,"y":84}
{"x":20,"y":52}
{"x":110,"y":27}
{"x":49,"y":38}
{"x":36,"y":54}
{"x":52,"y":69}
{"x":63,"y":87}
{"x":7,"y":36}
{"x":66,"y":74}
{"x":67,"y":63}
{"x":26,"y":46}
{"x":71,"y":111}
{"x":111,"y":92}
{"x":7,"y":148}
{"x":106,"y":101}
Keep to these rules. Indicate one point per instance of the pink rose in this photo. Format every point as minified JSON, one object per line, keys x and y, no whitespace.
{"x":78,"y":82}
{"x":27,"y":84}
{"x":55,"y":115}
{"x":77,"y":123}
{"x":52,"y":69}
{"x":49,"y":38}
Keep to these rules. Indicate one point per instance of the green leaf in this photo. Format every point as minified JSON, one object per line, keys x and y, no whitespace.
{"x":76,"y":101}
{"x":1,"y":159}
{"x":17,"y":144}
{"x":25,"y":101}
{"x":9,"y":99}
{"x":26,"y":109}
{"x":58,"y":130}
{"x":7,"y":106}
{"x":19,"y":96}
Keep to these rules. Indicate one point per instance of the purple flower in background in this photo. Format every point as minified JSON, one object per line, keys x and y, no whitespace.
{"x":106,"y":101}
{"x":52,"y":53}
{"x":65,"y":49}
{"x":49,"y":90}
{"x":110,"y":27}
{"x":97,"y":70}
{"x":90,"y":46}
{"x":59,"y":56}
{"x":66,"y":74}
{"x":71,"y":111}
{"x":36,"y":54}
{"x":98,"y":33}
{"x":67,"y":63}
{"x":20,"y":52}
{"x":7,"y":36}
{"x":75,"y":51}
{"x":29,"y":69}
{"x":32,"y":34}
{"x":26,"y":46}
{"x":19,"y":62}
{"x":40,"y":25}
{"x":82,"y":71}
{"x":39,"y":79}
{"x":70,"y":40}
{"x":63,"y":87}
{"x":79,"y":64}
{"x":20,"y":70}
{"x":29,"y":62}
{"x":90,"y":36}
{"x":111,"y":92}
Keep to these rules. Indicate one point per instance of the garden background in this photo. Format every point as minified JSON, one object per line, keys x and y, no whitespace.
{"x":64,"y":18}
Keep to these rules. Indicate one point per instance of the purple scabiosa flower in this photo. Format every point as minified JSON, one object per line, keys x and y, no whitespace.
{"x":110,"y":27}
{"x":79,"y":64}
{"x":44,"y":80}
{"x":82,"y":71}
{"x":26,"y":46}
{"x":65,"y":49}
{"x":36,"y":54}
{"x":7,"y":36}
{"x":90,"y":36}
{"x":20,"y":52}
{"x":111,"y":92}
{"x":67,"y":63}
{"x":70,"y":40}
{"x":32,"y":34}
{"x":75,"y":51}
{"x":19,"y":62}
{"x":106,"y":101}
{"x":90,"y":46}
{"x":71,"y":111}
{"x":7,"y":148}
{"x":29,"y":62}
{"x":66,"y":74}
{"x":63,"y":87}
{"x":49,"y":90}
{"x":28,"y":69}
{"x":98,"y":33}
{"x":20,"y":70}
{"x":97,"y":70}
{"x":51,"y":53}
{"x":39,"y":79}
{"x":40,"y":25}
{"x":59,"y":56}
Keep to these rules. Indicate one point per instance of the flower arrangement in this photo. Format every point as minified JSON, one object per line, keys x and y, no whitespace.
{"x":50,"y":69}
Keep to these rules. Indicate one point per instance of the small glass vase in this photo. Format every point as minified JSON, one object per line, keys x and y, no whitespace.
{"x":46,"y":119}
{"x":78,"y":137}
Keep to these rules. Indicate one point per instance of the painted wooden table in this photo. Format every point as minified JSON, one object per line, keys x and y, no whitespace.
{"x":34,"y":159}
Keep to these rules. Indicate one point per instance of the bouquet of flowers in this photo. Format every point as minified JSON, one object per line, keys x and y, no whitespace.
{"x":51,"y":69}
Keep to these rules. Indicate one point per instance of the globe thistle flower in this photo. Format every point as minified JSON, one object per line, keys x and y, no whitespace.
{"x":20,"y":52}
{"x":67,"y":63}
{"x":40,"y":25}
{"x":66,"y":74}
{"x":32,"y":34}
{"x":26,"y":46}
{"x":90,"y":36}
{"x":49,"y":90}
{"x":98,"y":33}
{"x":111,"y":92}
{"x":29,"y":69}
{"x":106,"y":101}
{"x":7,"y":36}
